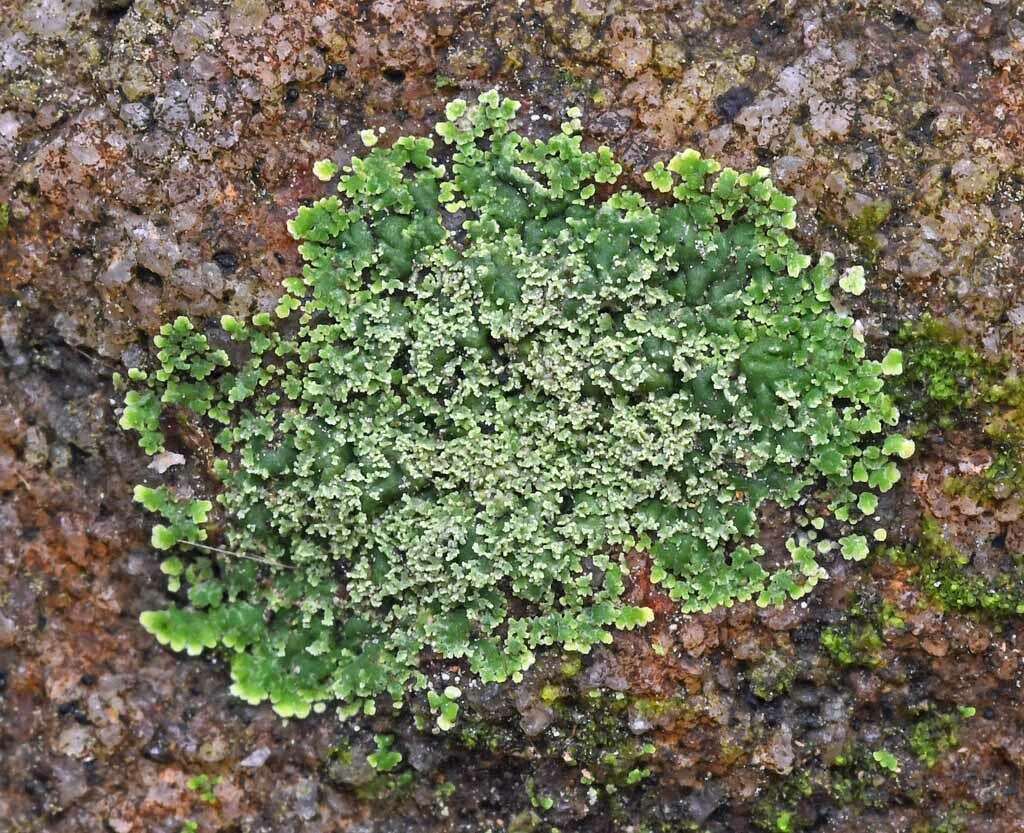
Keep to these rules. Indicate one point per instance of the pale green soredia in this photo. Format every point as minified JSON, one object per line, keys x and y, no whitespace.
{"x":494,"y":378}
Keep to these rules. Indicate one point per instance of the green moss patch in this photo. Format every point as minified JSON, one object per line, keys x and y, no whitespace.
{"x":945,"y":377}
{"x":942,"y":573}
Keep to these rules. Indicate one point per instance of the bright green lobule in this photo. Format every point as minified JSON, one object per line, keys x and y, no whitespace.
{"x":496,"y":377}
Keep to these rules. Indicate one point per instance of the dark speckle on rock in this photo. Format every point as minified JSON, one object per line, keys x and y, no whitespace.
{"x":729,"y":104}
{"x":923,"y":129}
{"x":116,"y":9}
{"x":226,"y":260}
{"x":903,"y":20}
{"x":157,"y":750}
{"x":147,"y":276}
{"x":334,"y":72}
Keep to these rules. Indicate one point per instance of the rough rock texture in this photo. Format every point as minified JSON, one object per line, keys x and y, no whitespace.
{"x":150,"y":153}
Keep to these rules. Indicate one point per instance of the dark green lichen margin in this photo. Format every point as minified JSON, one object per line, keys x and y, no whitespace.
{"x":493,"y":378}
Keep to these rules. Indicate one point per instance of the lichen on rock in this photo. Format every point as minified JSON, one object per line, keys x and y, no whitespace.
{"x":496,"y":375}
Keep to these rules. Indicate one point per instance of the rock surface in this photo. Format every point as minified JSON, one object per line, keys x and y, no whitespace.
{"x":150,"y":154}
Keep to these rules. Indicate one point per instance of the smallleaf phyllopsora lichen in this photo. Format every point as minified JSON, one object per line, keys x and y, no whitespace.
{"x":496,"y":376}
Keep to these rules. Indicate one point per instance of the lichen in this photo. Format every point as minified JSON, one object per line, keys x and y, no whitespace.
{"x":494,"y":376}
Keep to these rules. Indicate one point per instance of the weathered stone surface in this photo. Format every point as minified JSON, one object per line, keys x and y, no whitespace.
{"x":150,"y":153}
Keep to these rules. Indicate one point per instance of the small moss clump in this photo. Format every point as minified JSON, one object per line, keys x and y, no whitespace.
{"x":936,"y":734}
{"x":955,"y":819}
{"x":858,"y":643}
{"x":945,"y":377}
{"x":496,"y":375}
{"x":941,"y":571}
{"x":863,"y":226}
{"x":1003,"y":424}
{"x":773,"y":676}
{"x":782,"y":808}
{"x":595,"y":737}
{"x":948,"y":382}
